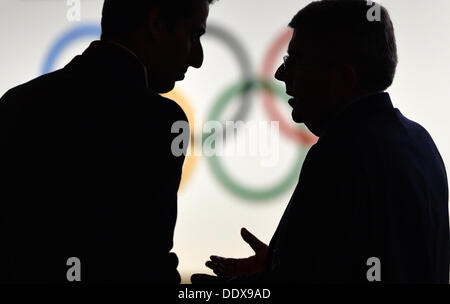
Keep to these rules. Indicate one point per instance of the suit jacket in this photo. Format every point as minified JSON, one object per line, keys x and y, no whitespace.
{"x":374,"y":186}
{"x":88,"y":172}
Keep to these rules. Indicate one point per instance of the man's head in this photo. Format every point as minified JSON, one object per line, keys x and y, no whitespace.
{"x":336,"y":55}
{"x":164,"y":34}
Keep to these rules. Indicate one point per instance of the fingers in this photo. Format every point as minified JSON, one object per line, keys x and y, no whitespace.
{"x":222,"y":266}
{"x":217,"y":268}
{"x":252,"y":240}
{"x":217,"y":259}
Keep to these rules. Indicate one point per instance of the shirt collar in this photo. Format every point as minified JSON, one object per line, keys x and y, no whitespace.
{"x":117,"y":63}
{"x":135,"y":56}
{"x":360,"y":107}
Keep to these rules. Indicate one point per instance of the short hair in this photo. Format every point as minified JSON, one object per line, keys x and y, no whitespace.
{"x":121,"y":17}
{"x":343,"y":33}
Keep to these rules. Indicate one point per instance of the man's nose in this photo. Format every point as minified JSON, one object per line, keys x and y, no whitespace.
{"x":280,"y":73}
{"x":196,"y":59}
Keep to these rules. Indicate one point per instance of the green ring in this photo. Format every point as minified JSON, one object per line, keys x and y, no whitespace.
{"x":242,"y":191}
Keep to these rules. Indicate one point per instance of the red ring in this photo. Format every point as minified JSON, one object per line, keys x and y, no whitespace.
{"x":277,"y":47}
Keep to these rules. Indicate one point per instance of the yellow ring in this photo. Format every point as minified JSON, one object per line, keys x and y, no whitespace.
{"x":190,"y":160}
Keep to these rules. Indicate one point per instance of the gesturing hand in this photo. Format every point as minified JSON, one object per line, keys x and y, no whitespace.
{"x":229,"y":267}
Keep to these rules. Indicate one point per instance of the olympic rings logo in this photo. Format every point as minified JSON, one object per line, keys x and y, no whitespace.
{"x":243,"y":88}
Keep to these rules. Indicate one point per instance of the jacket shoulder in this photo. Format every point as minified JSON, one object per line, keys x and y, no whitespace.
{"x":170,"y":107}
{"x":24,"y":94}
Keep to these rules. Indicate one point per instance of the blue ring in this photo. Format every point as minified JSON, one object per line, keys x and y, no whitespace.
{"x":85,"y":30}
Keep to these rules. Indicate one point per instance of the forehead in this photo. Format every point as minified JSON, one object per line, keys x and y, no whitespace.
{"x":201,"y":12}
{"x":299,"y":44}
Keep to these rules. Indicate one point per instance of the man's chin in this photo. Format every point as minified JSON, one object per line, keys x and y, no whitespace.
{"x":166,"y":88}
{"x":296,"y":117}
{"x":297,"y":120}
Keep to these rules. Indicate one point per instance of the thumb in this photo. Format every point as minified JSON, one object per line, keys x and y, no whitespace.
{"x":252,"y":240}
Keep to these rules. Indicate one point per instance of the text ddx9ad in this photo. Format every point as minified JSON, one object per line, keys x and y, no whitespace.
{"x":225,"y":293}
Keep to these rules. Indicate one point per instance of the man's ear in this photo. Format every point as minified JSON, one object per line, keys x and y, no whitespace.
{"x":155,"y":25}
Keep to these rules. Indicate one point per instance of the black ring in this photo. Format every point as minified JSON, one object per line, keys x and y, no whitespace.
{"x":245,"y":64}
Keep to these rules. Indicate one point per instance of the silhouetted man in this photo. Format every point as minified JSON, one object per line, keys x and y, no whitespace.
{"x":371,"y":202}
{"x":87,"y":167}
